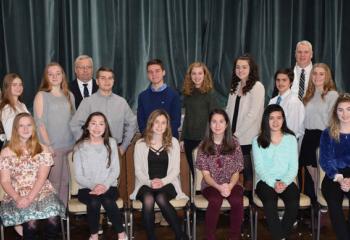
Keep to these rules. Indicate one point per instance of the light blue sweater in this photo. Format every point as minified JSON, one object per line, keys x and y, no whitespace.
{"x":276,"y":161}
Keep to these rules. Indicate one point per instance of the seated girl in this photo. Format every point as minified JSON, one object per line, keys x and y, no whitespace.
{"x":29,"y":196}
{"x":275,"y":154}
{"x":335,"y":161}
{"x":157,"y":171}
{"x":220,"y":160}
{"x":96,"y":163}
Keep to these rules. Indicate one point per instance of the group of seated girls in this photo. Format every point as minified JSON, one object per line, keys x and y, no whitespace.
{"x":29,"y":196}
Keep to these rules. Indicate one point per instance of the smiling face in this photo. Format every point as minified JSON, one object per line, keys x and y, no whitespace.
{"x":318,"y":77}
{"x":160,"y":125}
{"x":283,"y":83}
{"x":16,"y":87}
{"x":242,"y":69}
{"x":97,"y":126}
{"x":218,"y":124}
{"x":105,"y":81}
{"x":276,"y":121}
{"x":303,"y":55}
{"x":343,"y":113}
{"x":155,"y":74}
{"x":25,"y":128}
{"x":197,"y":76}
{"x":55,"y":75}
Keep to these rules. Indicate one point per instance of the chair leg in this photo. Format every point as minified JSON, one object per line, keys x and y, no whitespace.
{"x":318,"y":224}
{"x":68,"y":228}
{"x":194,"y":227}
{"x":188,"y":224}
{"x":312,"y":223}
{"x":251,"y":223}
{"x":62,"y":229}
{"x":126,"y":221}
{"x":131,"y":225}
{"x":2,"y":232}
{"x":256,"y":224}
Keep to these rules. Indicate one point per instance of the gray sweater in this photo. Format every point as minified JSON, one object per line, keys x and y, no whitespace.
{"x":121,"y":119}
{"x":90,"y":163}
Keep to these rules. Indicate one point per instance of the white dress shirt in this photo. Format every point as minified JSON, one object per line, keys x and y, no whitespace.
{"x":297,"y":72}
{"x":294,"y":110}
{"x":81,"y":86}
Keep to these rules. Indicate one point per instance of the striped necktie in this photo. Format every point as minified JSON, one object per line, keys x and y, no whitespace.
{"x":301,"y":84}
{"x":279,"y":99}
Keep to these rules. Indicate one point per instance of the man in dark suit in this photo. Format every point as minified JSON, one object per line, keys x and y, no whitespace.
{"x":84,"y":85}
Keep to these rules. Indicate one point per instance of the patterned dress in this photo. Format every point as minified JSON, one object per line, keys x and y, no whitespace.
{"x":23,"y":174}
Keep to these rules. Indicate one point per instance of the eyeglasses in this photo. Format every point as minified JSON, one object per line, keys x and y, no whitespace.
{"x":84,"y":67}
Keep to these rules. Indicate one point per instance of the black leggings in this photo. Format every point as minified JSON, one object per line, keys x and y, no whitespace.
{"x":93,"y":205}
{"x":334,"y":198}
{"x":148,"y":198}
{"x":189,"y":146}
{"x":30,"y":229}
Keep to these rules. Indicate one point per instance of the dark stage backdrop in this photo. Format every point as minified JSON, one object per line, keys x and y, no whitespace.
{"x":125,"y":34}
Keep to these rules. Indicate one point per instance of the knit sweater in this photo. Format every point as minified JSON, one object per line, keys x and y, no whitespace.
{"x":334,"y":155}
{"x":121,"y":119}
{"x":90,"y":163}
{"x":276,"y":161}
{"x":168,"y":100}
{"x":197,"y":108}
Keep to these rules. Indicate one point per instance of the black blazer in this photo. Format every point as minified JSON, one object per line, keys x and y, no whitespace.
{"x":74,"y":88}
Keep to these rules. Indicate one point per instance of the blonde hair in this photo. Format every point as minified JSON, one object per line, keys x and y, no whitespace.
{"x":334,"y":123}
{"x":328,"y":83}
{"x":167,"y":135}
{"x":32,"y":145}
{"x":46,"y":85}
{"x":188,"y":83}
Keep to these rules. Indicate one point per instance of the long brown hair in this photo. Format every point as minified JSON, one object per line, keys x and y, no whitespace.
{"x":6,"y":91}
{"x":46,"y":85}
{"x":106,"y":135}
{"x":253,"y":76}
{"x":188,"y":83}
{"x":32,"y":145}
{"x":328,"y":83}
{"x":208,"y":145}
{"x":167,"y":135}
{"x":334,"y":123}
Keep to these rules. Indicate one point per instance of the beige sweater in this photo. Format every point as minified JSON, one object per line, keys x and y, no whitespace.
{"x":251,"y":108}
{"x":141,"y":168}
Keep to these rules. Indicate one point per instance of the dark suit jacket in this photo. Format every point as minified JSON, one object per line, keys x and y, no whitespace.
{"x":74,"y":88}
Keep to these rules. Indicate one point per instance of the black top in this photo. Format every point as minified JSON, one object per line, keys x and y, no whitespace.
{"x":157,"y":163}
{"x":235,"y":114}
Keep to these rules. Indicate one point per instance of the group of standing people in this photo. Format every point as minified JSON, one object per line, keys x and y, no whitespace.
{"x":98,"y":125}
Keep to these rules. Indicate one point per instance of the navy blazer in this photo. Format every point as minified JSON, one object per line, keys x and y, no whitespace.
{"x":74,"y":88}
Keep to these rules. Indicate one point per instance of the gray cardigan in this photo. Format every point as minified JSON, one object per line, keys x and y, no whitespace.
{"x":141,"y":168}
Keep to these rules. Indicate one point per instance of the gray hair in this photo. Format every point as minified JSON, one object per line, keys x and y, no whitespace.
{"x":305,"y":43}
{"x":82,"y":57}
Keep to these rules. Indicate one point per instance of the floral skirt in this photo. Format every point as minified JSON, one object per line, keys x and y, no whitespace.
{"x":49,"y":206}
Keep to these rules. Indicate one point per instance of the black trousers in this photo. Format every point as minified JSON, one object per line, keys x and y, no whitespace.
{"x":334,"y":198}
{"x":93,"y":205}
{"x":189,"y":146}
{"x":279,"y":228}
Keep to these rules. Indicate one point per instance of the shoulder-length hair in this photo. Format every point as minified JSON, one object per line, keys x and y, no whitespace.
{"x":106,"y":135}
{"x":188,"y":83}
{"x":167,"y":135}
{"x":253,"y":76}
{"x":264,"y":138}
{"x":32,"y":145}
{"x":328,"y":83}
{"x":208,"y":145}
{"x":7,"y":97}
{"x":334,"y":123}
{"x":46,"y":85}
